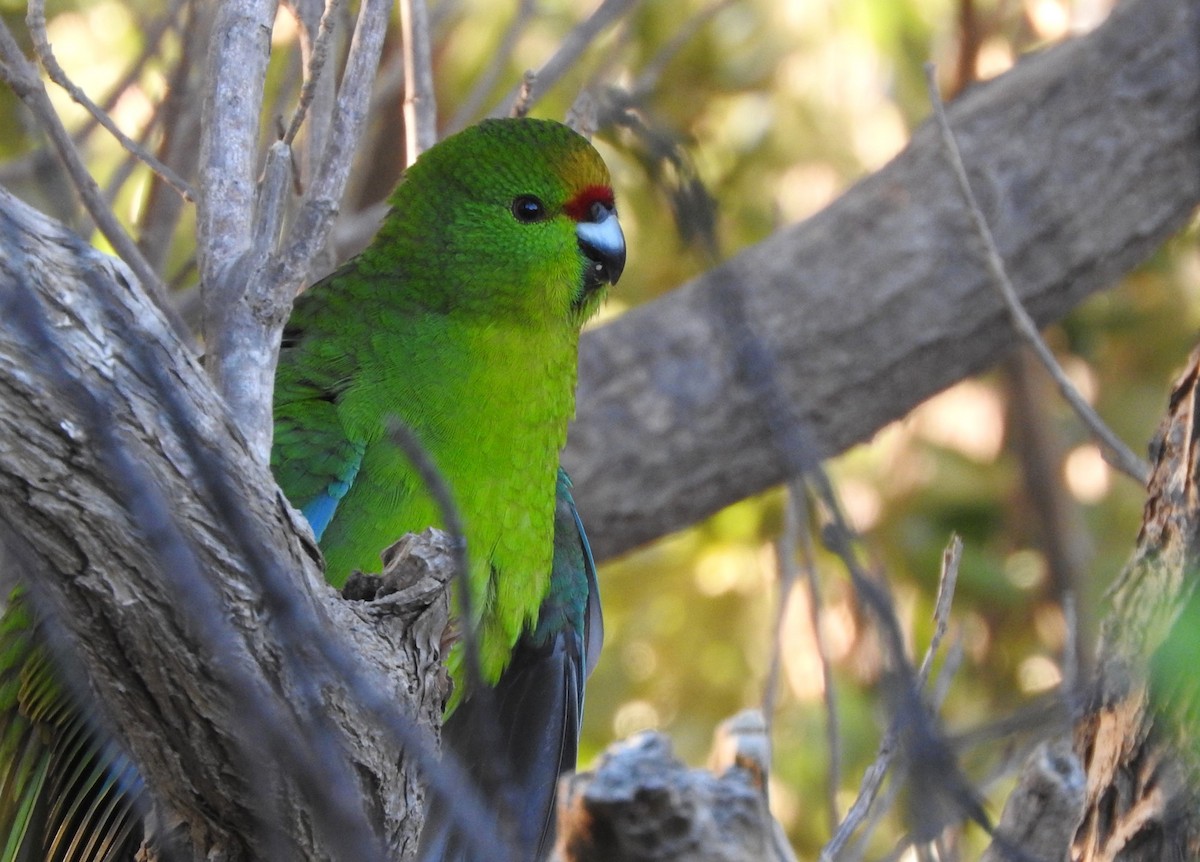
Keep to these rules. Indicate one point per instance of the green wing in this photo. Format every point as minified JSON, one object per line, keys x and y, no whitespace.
{"x":535,"y":709}
{"x":67,"y":794}
{"x":313,"y":458}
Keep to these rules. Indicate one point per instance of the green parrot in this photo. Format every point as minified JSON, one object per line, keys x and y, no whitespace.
{"x":461,"y":320}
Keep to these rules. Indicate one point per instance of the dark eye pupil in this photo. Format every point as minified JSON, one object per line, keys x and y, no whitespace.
{"x":527,"y":209}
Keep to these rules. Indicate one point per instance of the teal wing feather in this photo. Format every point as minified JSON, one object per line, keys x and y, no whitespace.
{"x":536,"y":708}
{"x":67,"y":793}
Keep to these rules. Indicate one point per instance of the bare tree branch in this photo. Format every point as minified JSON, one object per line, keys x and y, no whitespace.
{"x":312,"y":224}
{"x":250,"y":289}
{"x":879,"y":301}
{"x":36,"y":21}
{"x":317,"y":55}
{"x":1115,"y":450}
{"x":237,"y":62}
{"x":23,"y":78}
{"x":420,"y":107}
{"x":863,"y":809}
{"x":179,"y":117}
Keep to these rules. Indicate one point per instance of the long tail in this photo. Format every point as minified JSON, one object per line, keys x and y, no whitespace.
{"x":67,"y":794}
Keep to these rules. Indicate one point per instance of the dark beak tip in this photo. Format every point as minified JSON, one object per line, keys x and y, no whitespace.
{"x":614,"y":266}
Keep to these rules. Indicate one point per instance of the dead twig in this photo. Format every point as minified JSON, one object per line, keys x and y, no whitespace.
{"x":568,"y":53}
{"x":863,"y":810}
{"x":1115,"y":451}
{"x":23,"y":78}
{"x":317,"y":57}
{"x":35,"y":20}
{"x":797,"y":538}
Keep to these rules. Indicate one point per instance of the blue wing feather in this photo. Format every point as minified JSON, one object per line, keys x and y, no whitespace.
{"x":320,"y":510}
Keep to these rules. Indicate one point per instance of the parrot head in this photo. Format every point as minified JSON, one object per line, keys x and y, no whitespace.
{"x":526,"y":208}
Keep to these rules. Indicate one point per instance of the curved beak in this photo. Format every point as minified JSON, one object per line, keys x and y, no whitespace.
{"x":603,"y":243}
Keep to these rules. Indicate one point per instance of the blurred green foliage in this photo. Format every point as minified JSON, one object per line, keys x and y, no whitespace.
{"x":780,"y":105}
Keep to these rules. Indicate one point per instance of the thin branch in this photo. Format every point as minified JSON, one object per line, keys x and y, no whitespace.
{"x":35,"y":19}
{"x":486,"y":82}
{"x":312,"y":223}
{"x":24,"y":80}
{"x":796,"y":537}
{"x":420,"y":106}
{"x":1115,"y":451}
{"x":868,"y":790}
{"x":861,"y":809}
{"x":940,"y":689}
{"x":523,"y":101}
{"x":318,"y":56}
{"x":947,"y":581}
{"x":129,"y":162}
{"x":178,"y":115}
{"x":786,"y":548}
{"x":1070,"y":687}
{"x":272,"y":200}
{"x":568,"y":53}
{"x":653,"y":69}
{"x":152,"y":35}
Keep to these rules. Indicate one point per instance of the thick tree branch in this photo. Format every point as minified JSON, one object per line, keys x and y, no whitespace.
{"x":1085,"y":159}
{"x":177,"y":618}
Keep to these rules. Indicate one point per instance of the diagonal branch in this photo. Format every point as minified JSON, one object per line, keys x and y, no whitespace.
{"x":36,"y":21}
{"x":24,"y":80}
{"x":1115,"y":450}
{"x":879,"y":301}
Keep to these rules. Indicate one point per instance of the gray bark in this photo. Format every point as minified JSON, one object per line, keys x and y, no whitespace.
{"x":640,"y":804}
{"x":1085,"y":158}
{"x":248,"y":278}
{"x":215,"y":657}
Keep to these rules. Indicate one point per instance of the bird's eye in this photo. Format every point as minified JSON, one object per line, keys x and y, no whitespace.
{"x":528,"y":209}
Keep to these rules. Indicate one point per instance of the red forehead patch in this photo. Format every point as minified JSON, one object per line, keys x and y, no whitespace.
{"x":580,"y":206}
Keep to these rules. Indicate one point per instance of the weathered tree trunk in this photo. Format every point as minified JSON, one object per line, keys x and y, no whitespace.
{"x":180,"y":579}
{"x":1137,"y":739}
